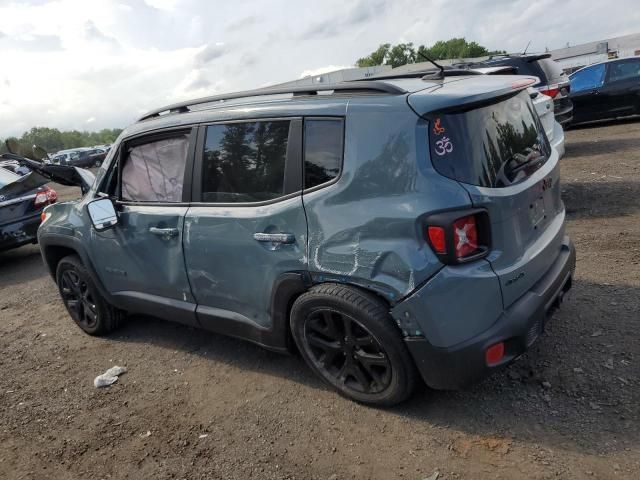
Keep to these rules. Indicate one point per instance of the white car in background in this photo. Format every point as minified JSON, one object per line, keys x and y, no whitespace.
{"x":543,"y":105}
{"x":544,"y":108}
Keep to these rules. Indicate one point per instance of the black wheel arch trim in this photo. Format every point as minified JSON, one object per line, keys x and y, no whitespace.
{"x":49,"y":240}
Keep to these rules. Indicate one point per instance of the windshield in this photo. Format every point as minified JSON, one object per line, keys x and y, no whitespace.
{"x":494,"y":146}
{"x":7,"y":177}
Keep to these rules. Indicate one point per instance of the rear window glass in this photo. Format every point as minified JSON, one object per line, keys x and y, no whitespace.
{"x":493,"y":146}
{"x":551,"y":69}
{"x":7,"y":177}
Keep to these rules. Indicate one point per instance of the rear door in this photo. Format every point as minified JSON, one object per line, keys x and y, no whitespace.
{"x":621,"y":87}
{"x":140,"y":260}
{"x":246,"y":225}
{"x":501,"y":156}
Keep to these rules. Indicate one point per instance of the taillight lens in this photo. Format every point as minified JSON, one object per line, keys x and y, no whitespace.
{"x":551,"y":91}
{"x":459,"y":236}
{"x":45,"y":196}
{"x":437,"y":239}
{"x":465,"y":236}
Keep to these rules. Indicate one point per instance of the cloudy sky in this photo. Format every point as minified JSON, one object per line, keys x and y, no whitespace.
{"x":91,"y":64}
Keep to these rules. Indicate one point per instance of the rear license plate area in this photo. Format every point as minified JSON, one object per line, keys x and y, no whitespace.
{"x":537,"y":212}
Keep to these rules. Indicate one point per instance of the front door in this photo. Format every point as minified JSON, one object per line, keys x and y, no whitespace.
{"x":246,"y":226}
{"x":588,"y":101}
{"x":140,"y":260}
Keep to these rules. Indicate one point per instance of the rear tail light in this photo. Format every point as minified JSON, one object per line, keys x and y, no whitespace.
{"x":437,"y":239}
{"x":45,"y":196}
{"x":465,"y":236}
{"x":459,"y":236}
{"x":551,"y":91}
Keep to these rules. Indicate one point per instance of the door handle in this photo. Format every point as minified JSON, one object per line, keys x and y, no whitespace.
{"x":165,"y":233}
{"x":286,"y":238}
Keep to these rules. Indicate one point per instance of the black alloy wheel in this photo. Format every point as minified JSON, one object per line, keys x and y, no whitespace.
{"x":345,"y":350}
{"x":348,"y":338}
{"x":87,"y":307}
{"x":79,"y":299}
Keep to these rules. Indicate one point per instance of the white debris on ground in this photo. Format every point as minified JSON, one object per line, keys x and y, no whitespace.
{"x":109,"y":377}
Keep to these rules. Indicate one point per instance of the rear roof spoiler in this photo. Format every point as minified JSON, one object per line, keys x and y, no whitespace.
{"x":462,"y":96}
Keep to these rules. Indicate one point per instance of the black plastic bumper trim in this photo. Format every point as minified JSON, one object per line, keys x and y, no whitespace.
{"x":518,"y":327}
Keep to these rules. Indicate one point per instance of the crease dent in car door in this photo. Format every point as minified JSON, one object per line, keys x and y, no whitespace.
{"x":249,"y":226}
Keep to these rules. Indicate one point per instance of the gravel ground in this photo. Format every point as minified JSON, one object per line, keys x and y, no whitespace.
{"x":197,"y":405}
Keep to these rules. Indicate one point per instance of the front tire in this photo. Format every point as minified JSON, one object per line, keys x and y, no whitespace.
{"x":348,"y":338}
{"x":88,"y":309}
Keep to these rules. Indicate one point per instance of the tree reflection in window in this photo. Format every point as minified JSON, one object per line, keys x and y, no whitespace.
{"x":245,"y":162}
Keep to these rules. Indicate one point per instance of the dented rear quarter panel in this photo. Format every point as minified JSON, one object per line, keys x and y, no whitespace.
{"x":366,"y":228}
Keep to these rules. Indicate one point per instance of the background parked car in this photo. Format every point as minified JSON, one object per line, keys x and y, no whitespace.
{"x":553,"y":81}
{"x":543,"y":104}
{"x":80,"y":157}
{"x":606,"y":90}
{"x":22,"y":199}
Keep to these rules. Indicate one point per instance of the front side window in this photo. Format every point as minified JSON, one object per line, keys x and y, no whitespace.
{"x":245,"y":162}
{"x":154,"y":171}
{"x":624,"y":70}
{"x":322,"y":150}
{"x":587,"y":79}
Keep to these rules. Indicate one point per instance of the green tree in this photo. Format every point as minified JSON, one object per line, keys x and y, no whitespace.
{"x":376,"y":58}
{"x":53,"y":140}
{"x":404,"y":53}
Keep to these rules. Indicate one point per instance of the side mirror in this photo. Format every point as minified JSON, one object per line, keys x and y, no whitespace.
{"x":103,"y":214}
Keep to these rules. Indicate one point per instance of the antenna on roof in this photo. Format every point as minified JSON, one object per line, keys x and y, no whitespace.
{"x":526,"y":48}
{"x":440,"y":67}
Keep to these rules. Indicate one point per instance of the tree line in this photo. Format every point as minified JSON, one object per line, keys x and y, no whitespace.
{"x":404,"y":53}
{"x":53,"y":140}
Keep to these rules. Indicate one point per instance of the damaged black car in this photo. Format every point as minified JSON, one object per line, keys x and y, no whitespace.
{"x":22,"y":199}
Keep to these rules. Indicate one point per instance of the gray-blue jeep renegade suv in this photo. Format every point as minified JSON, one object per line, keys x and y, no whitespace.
{"x":385,"y":229}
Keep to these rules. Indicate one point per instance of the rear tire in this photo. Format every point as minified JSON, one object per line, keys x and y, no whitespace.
{"x":348,"y":338}
{"x":88,"y":309}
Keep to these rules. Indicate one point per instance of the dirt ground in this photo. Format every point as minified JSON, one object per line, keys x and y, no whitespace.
{"x":196,"y":405}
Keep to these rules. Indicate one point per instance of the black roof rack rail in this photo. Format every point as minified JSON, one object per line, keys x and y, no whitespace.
{"x":360,"y":87}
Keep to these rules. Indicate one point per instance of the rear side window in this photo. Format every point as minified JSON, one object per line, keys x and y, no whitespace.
{"x":624,"y":70}
{"x":323,"y":146}
{"x":154,"y":171}
{"x":589,"y":78}
{"x":493,"y":146}
{"x":245,"y":162}
{"x":551,"y":69}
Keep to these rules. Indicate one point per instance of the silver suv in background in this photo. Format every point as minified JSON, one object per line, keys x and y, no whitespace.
{"x":553,"y":81}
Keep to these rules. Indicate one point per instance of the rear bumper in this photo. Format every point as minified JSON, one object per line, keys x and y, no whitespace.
{"x":563,"y":110}
{"x":13,"y":235}
{"x":518,"y":327}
